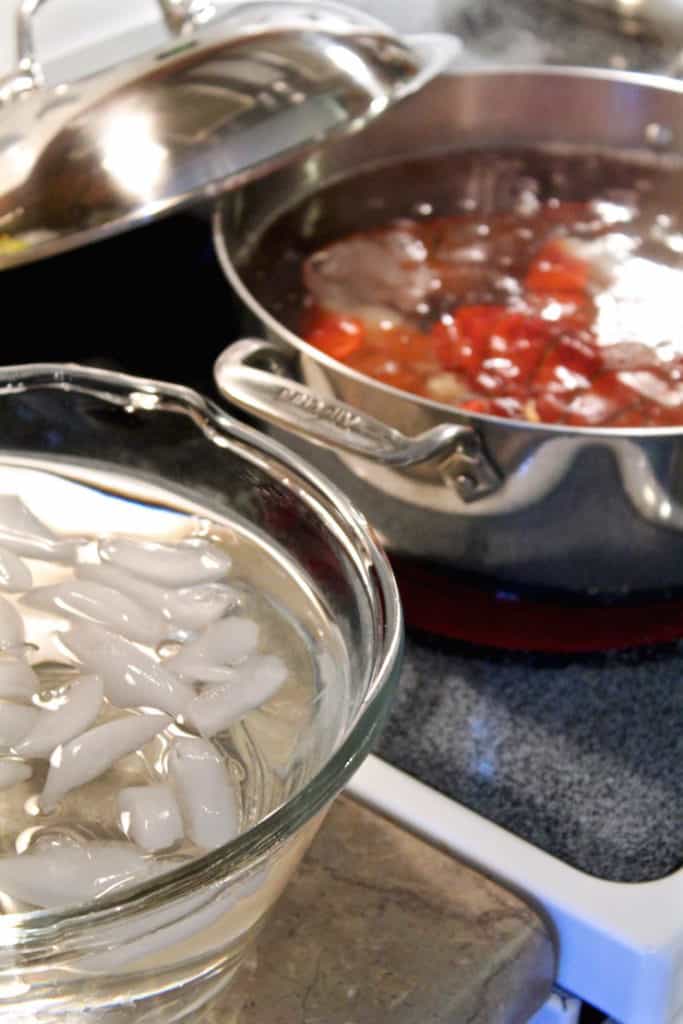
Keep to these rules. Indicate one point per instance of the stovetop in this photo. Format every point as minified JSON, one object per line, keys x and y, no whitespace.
{"x":153,"y":302}
{"x":579,"y":755}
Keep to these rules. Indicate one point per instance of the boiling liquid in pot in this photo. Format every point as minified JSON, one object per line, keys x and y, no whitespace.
{"x":529,"y":285}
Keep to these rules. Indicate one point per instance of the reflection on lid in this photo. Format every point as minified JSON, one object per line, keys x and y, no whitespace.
{"x":192,"y":111}
{"x":142,"y":137}
{"x":131,"y":155}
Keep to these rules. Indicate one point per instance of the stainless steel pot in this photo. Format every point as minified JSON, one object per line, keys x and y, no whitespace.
{"x":575,"y":510}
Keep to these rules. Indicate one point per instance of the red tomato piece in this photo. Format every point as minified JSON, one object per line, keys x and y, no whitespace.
{"x":521,"y":340}
{"x":510,"y":408}
{"x":555,"y":271}
{"x":566,"y":311}
{"x":606,"y":398}
{"x":637,"y":416}
{"x":568,"y":367}
{"x":335,"y":334}
{"x":491,"y":383}
{"x":654,"y":385}
{"x":374,"y":362}
{"x":550,"y":408}
{"x":477,"y":405}
{"x":460,"y":342}
{"x":382,"y":366}
{"x":405,"y":345}
{"x":405,"y":380}
{"x":629,"y":355}
{"x":566,"y":212}
{"x":662,"y":416}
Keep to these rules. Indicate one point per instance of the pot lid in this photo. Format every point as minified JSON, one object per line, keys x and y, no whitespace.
{"x":225,"y":101}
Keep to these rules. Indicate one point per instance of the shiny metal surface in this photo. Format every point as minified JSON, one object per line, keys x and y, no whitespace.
{"x":222,"y":103}
{"x":661,"y":17}
{"x":453,"y":449}
{"x":576,"y":510}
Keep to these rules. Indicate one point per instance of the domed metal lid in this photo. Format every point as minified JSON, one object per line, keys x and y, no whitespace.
{"x":224,"y":102}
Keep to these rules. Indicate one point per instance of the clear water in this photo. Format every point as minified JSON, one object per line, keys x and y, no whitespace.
{"x":270,"y":754}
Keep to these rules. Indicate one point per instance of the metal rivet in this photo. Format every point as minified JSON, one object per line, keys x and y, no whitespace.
{"x":468,"y":448}
{"x":659,"y":136}
{"x":466,"y":485}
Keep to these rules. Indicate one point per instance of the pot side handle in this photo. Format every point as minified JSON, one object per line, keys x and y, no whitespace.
{"x":254,"y":375}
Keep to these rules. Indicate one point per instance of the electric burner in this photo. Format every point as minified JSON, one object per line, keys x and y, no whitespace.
{"x":454,"y":607}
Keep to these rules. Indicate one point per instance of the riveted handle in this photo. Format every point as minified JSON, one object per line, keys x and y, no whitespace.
{"x":254,"y":375}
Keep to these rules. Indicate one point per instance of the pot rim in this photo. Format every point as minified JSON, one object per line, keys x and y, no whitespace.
{"x":637,"y":78}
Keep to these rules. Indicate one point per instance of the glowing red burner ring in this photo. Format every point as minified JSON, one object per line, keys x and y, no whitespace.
{"x":499,"y":618}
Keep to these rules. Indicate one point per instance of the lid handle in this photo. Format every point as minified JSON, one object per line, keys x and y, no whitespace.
{"x":181,"y":17}
{"x":29,"y":73}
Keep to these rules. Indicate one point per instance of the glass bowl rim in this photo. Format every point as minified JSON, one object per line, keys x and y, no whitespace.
{"x":238,"y":857}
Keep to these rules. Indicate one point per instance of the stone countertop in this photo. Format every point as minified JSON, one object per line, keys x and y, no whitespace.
{"x":379,"y":925}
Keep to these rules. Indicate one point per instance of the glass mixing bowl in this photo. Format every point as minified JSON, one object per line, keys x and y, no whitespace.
{"x":159,"y":950}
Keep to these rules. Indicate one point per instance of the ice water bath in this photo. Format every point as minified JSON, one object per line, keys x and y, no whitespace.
{"x":167,"y":680}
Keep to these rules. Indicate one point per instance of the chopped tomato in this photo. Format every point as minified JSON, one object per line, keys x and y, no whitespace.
{"x":550,"y":408}
{"x":522,"y":335}
{"x":565,"y":311}
{"x":388,"y":369}
{"x":408,"y":346}
{"x":510,"y":408}
{"x":569,"y":366}
{"x":660,"y":416}
{"x":335,"y":334}
{"x":627,"y":355}
{"x":478,"y":322}
{"x":461,"y":341}
{"x":555,"y":271}
{"x":498,"y":350}
{"x":478,"y":405}
{"x":653,"y":385}
{"x":606,"y":398}
{"x":374,"y":363}
{"x":406,"y":380}
{"x":632,"y":417}
{"x":521,"y":340}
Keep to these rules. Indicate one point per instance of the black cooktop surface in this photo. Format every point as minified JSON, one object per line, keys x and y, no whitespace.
{"x":152,"y":302}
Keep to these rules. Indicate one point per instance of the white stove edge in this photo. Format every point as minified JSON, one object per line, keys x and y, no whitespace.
{"x":620,"y":945}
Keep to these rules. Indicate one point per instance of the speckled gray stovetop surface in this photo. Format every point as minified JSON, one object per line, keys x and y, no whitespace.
{"x":582,"y":756}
